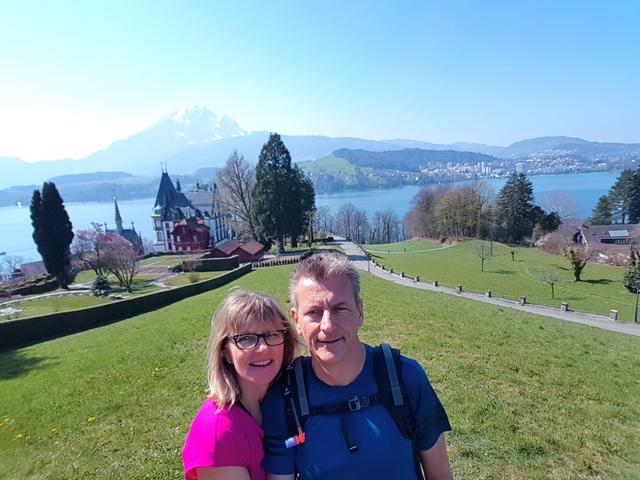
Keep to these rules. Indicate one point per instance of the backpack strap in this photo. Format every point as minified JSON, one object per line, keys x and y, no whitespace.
{"x":393,"y":394}
{"x":301,"y":387}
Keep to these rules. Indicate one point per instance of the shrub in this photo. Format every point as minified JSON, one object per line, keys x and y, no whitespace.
{"x":100,"y":286}
{"x":193,"y":277}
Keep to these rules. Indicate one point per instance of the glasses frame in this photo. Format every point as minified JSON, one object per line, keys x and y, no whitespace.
{"x":259,"y":336}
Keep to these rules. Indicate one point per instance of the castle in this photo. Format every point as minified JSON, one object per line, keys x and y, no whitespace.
{"x":188,"y":221}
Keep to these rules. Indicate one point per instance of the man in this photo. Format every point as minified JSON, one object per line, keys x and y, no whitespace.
{"x":365,"y":443}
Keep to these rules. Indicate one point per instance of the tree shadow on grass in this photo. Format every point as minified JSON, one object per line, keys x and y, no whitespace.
{"x":15,"y":363}
{"x":501,"y":271}
{"x":598,"y":281}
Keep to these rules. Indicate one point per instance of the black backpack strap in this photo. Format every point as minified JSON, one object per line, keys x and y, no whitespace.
{"x":393,"y":394}
{"x":301,"y":387}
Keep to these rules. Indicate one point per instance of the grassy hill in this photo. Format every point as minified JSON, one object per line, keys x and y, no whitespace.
{"x":529,"y":397}
{"x":600,"y":291}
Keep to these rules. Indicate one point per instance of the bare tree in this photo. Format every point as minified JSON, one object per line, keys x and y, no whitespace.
{"x":235,"y":183}
{"x":323,"y":221}
{"x":345,"y":220}
{"x":483,"y":252}
{"x":551,"y":278}
{"x":420,"y":221}
{"x":561,"y":203}
{"x":385,"y":227}
{"x":10,"y":263}
{"x":578,"y":256}
{"x":360,"y":226}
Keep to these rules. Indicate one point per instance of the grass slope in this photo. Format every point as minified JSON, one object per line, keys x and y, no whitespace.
{"x":600,"y":291}
{"x":405,"y":246}
{"x":528,"y":397}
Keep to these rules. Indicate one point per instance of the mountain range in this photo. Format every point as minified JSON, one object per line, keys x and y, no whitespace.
{"x":196,"y":138}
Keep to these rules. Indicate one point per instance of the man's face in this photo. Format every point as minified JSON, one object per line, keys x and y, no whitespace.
{"x":328,"y":317}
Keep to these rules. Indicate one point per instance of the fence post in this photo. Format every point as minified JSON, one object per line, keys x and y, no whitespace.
{"x":523,"y":300}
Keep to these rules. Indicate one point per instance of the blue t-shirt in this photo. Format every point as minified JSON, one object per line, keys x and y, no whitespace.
{"x":382,"y":453}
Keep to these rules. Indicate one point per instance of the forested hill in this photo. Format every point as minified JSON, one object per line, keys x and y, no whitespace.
{"x":410,"y":159}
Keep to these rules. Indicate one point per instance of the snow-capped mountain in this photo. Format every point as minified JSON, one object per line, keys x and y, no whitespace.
{"x":199,"y":125}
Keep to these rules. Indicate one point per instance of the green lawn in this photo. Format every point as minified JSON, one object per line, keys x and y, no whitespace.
{"x":405,"y":246}
{"x":59,"y":303}
{"x":185,"y":278}
{"x":164,"y":260}
{"x":529,"y":397}
{"x":600,"y":291}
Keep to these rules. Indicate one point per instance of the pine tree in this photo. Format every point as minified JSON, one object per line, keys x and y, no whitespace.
{"x":634,"y":198}
{"x":52,"y":231}
{"x":283,"y":197}
{"x":620,"y":196}
{"x":602,"y":213}
{"x":514,"y":209}
{"x":631,"y":280}
{"x":303,"y":202}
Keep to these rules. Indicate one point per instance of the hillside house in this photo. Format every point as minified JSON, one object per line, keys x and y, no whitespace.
{"x":597,"y":236}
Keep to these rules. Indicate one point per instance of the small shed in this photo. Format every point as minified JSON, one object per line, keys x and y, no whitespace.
{"x":247,"y":250}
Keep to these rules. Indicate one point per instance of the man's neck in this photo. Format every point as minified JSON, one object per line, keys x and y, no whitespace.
{"x":343,"y":373}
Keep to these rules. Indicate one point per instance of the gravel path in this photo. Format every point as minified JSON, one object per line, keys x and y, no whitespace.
{"x":358,"y":257}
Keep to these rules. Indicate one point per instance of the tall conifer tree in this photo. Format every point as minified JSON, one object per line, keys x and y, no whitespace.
{"x":602,"y":214}
{"x":283,"y":197}
{"x":52,"y":231}
{"x":514,"y":208}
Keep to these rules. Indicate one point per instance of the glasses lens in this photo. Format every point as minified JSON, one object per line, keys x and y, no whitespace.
{"x":274,"y":338}
{"x":248,"y":340}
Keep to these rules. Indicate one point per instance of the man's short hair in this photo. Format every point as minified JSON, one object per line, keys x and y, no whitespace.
{"x":321,"y":266}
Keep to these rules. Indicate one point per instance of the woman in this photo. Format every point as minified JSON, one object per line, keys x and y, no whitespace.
{"x":250,"y":343}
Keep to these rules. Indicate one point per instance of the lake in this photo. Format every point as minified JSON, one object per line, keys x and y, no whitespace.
{"x":15,"y":238}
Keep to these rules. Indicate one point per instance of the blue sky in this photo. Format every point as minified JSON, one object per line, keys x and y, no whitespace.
{"x":78,"y":75}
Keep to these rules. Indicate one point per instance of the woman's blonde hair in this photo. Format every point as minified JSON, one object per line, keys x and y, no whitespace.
{"x":241,"y":311}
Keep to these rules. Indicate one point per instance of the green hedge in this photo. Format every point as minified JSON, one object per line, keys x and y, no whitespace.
{"x":35,"y":329}
{"x":215,"y":264}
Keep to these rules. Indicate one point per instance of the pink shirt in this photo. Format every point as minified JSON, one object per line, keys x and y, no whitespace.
{"x":228,"y":438}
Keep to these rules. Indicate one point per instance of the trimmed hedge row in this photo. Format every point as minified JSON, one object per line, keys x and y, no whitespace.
{"x":36,"y":329}
{"x":217,"y":264}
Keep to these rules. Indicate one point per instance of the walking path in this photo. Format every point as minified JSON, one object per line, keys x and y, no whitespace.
{"x":361,"y":261}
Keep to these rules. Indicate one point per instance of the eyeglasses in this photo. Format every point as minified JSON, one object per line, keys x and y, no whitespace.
{"x":246,"y":341}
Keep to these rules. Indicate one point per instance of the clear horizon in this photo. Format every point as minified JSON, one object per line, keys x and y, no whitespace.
{"x":76,"y":78}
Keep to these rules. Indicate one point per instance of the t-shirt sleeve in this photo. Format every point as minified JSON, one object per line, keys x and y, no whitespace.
{"x":278,"y":459}
{"x":213,"y":441}
{"x":431,"y":418}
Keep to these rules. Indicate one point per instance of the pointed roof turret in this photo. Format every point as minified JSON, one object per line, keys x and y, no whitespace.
{"x":118,"y":217}
{"x":168,"y":197}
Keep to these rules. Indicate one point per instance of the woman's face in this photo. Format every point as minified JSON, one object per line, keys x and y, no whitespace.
{"x":256,"y":366}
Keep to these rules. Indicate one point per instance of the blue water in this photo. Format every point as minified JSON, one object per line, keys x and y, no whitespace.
{"x":15,"y":236}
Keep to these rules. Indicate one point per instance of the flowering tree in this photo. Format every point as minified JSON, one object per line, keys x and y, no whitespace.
{"x":107,"y":253}
{"x":120,"y":259}
{"x":88,"y":246}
